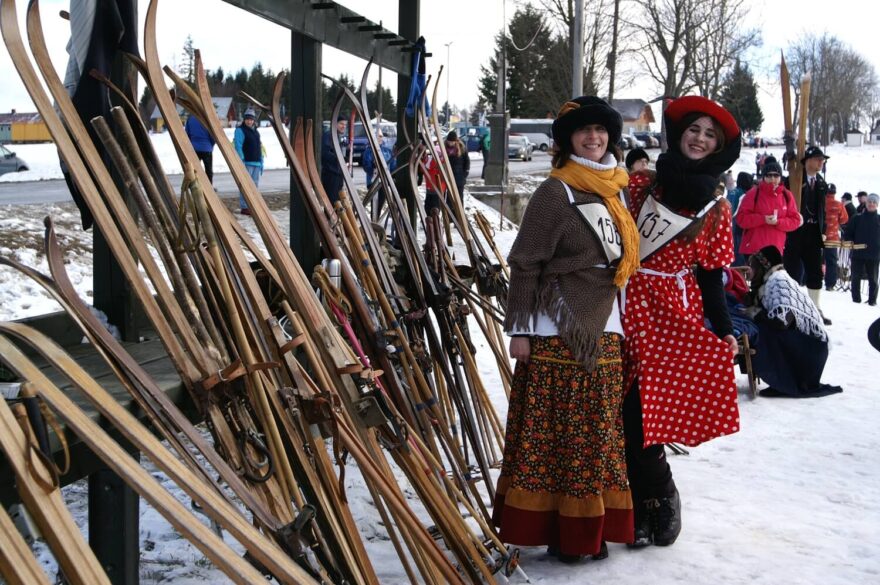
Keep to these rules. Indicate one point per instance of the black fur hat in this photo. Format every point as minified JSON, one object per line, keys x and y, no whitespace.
{"x":587,"y":109}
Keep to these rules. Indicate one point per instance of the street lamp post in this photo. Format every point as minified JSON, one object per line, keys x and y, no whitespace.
{"x":448,"y":72}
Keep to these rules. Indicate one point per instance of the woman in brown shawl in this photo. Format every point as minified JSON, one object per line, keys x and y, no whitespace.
{"x":563,"y":482}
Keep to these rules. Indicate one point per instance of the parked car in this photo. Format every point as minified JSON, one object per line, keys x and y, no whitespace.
{"x":648,"y":138}
{"x":540,"y":140}
{"x":519,"y":146}
{"x":626,"y":142}
{"x":9,"y":163}
{"x":636,"y":142}
{"x":389,"y":137}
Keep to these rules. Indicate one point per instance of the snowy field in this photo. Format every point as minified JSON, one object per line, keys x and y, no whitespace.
{"x":42,"y":159}
{"x":789,"y":500}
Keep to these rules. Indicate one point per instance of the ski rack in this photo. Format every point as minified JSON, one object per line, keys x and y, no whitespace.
{"x":265,"y":392}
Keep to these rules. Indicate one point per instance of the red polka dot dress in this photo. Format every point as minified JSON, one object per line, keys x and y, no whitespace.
{"x":684,"y":371}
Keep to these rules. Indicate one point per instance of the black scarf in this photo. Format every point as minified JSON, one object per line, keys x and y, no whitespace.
{"x":690,"y":184}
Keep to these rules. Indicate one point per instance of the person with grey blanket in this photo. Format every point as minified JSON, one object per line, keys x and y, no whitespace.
{"x":793,"y":344}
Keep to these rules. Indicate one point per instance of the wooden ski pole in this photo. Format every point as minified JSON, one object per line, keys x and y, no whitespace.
{"x":160,"y":241}
{"x":157,"y":200}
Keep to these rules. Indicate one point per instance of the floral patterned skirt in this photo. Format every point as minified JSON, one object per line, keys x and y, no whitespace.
{"x":563,"y":481}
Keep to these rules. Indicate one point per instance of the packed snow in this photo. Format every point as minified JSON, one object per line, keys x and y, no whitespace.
{"x":790,"y":499}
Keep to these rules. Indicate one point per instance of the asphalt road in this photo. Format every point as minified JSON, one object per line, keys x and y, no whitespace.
{"x":272,"y":181}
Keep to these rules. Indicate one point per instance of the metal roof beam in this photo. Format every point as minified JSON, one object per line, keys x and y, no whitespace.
{"x":335,"y":25}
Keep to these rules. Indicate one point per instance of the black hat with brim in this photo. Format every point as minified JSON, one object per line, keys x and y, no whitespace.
{"x":814,"y":152}
{"x":587,"y":109}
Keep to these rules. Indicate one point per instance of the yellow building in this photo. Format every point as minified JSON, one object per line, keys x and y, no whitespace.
{"x":22,"y":128}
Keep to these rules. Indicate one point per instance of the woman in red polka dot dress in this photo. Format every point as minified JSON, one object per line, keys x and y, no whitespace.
{"x":679,"y":374}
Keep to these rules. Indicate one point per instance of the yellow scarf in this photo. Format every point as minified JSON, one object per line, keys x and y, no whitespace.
{"x":607,"y":185}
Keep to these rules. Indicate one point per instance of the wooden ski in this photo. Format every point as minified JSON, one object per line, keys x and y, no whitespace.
{"x":17,"y":564}
{"x":38,"y":487}
{"x":331,"y":356}
{"x":138,"y":478}
{"x":794,"y":146}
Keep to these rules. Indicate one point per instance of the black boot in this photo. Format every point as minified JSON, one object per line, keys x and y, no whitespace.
{"x":666,"y":519}
{"x":563,"y":558}
{"x":642,"y":534}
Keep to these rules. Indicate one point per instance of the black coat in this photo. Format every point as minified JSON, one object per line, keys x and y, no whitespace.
{"x":812,"y":206}
{"x":864,"y":228}
{"x":461,"y":165}
{"x":850,"y":210}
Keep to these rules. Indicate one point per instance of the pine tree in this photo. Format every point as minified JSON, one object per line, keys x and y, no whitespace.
{"x":537,"y":67}
{"x":739,"y":94}
{"x":188,"y":61}
{"x":389,"y":109}
{"x":329,"y":93}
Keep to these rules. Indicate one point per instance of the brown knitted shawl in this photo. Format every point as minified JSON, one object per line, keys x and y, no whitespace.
{"x":552,"y":271}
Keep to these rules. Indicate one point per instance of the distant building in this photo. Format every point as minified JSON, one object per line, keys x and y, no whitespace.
{"x":855,"y":138}
{"x":23,"y":127}
{"x":637,"y":114}
{"x":225,"y":110}
{"x":875,"y":134}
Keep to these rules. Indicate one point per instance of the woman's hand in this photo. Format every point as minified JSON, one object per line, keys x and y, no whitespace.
{"x":771,"y":219}
{"x":730,"y":340}
{"x":520,"y":348}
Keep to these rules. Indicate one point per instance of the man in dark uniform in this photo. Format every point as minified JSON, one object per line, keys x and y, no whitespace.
{"x":803,"y":252}
{"x":847,"y":202}
{"x":862,"y":198}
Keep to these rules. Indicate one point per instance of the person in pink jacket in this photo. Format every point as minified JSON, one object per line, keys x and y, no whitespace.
{"x":767,"y":212}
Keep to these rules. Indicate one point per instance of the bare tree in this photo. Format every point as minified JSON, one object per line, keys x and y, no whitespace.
{"x":667,"y":31}
{"x":842,"y":83}
{"x":598,"y":28}
{"x":690,"y":45}
{"x":668,"y":35}
{"x":725,"y":37}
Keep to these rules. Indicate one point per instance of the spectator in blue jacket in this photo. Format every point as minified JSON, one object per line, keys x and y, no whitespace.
{"x":250,"y":150}
{"x":369,"y":163}
{"x":331,"y":171}
{"x":864,"y":228}
{"x":203,"y":144}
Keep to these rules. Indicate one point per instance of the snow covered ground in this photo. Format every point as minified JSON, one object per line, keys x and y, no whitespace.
{"x":42,"y":159}
{"x":791,"y":499}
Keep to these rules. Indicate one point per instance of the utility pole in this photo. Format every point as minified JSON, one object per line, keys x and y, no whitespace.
{"x":496,"y":166}
{"x":378,"y":96}
{"x":379,"y":104}
{"x":612,"y":56}
{"x":448,"y":75}
{"x":577,"y":50}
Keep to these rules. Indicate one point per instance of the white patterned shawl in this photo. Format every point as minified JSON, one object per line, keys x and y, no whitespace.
{"x":782,"y":296}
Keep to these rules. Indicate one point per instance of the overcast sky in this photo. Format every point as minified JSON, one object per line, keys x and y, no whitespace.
{"x":232,"y":39}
